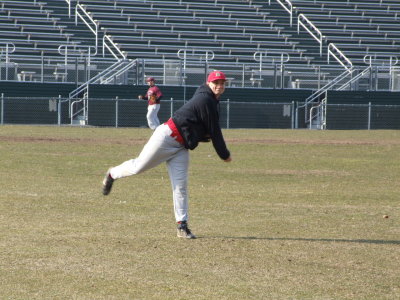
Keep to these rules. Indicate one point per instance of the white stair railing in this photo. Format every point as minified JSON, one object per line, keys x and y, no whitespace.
{"x":277,"y":58}
{"x":316,"y":96}
{"x":8,"y":48}
{"x":309,"y":26}
{"x":288,"y":6}
{"x":115,"y":51}
{"x":118,"y":72}
{"x":339,"y":56}
{"x":320,"y":95}
{"x":318,"y":115}
{"x":69,"y":7}
{"x":82,"y":113}
{"x":80,"y":11}
{"x":354,"y":79}
{"x":81,"y":94}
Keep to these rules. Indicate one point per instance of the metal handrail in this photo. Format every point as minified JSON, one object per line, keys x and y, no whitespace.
{"x":341,"y":55}
{"x":288,"y":8}
{"x":317,"y":35}
{"x":326,"y":87}
{"x":69,"y":7}
{"x":8,"y":51}
{"x":84,"y":109}
{"x":209,"y":54}
{"x":311,"y":115}
{"x":95,"y":30}
{"x":115,"y":46}
{"x":94,"y":79}
{"x":65,"y":53}
{"x":118,"y":72}
{"x":284,"y":56}
{"x":355,"y":78}
{"x":376,"y":58}
{"x":321,"y":114}
{"x":316,"y":95}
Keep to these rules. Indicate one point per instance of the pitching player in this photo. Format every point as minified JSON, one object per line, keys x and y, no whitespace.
{"x":196,"y":121}
{"x":153,"y":97}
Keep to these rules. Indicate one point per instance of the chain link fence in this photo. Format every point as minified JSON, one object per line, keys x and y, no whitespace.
{"x":132,"y":113}
{"x":362,"y":116}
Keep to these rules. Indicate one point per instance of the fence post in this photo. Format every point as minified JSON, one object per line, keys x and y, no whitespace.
{"x":292,"y":115}
{"x":227,"y":113}
{"x":172,"y":106}
{"x":42,"y":68}
{"x":2,"y":108}
{"x":369,"y":115}
{"x":59,"y":111}
{"x":116,"y":112}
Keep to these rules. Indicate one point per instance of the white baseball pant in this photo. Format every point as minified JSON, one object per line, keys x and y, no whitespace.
{"x":152,"y":118}
{"x":161,"y":147}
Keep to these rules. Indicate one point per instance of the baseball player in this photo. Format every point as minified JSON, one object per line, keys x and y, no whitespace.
{"x":196,"y":121}
{"x":153,"y":97}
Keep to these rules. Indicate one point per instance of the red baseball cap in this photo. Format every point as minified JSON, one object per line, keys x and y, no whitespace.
{"x":150,"y":79}
{"x":216,"y":75}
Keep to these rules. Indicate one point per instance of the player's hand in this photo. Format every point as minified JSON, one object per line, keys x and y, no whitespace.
{"x":140,"y":97}
{"x":229,"y":159}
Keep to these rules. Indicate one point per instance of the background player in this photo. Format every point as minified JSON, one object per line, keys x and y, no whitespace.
{"x":153,"y":97}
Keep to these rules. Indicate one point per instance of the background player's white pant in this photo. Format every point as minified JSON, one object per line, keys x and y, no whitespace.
{"x":161,"y":147}
{"x":152,"y":118}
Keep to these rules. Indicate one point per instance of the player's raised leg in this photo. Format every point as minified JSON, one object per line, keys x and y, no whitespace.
{"x":160,"y":148}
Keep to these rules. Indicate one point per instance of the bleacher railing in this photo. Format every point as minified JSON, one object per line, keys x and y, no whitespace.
{"x":272,"y":74}
{"x":113,"y":48}
{"x":86,"y":18}
{"x":309,"y":26}
{"x":288,"y":6}
{"x":339,"y":56}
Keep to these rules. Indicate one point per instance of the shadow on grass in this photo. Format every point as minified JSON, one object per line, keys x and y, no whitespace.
{"x":361,"y":241}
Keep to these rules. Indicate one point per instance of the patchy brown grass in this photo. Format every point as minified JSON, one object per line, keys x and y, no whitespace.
{"x":295,"y":215}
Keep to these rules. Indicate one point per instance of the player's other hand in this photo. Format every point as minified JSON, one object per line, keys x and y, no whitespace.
{"x":229,"y":159}
{"x":140,"y":97}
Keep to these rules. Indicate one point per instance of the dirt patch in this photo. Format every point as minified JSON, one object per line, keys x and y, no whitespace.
{"x":142,"y":141}
{"x":296,"y":172}
{"x":311,"y":142}
{"x":90,"y":141}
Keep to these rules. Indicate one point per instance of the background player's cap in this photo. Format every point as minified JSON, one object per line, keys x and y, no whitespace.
{"x":150,"y":79}
{"x":216,"y":75}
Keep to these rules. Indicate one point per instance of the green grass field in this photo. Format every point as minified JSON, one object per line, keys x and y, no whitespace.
{"x":295,"y":215}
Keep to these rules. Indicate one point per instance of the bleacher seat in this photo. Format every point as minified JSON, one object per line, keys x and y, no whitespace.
{"x":233,"y":31}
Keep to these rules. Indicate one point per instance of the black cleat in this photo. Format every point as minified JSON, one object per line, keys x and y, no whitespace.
{"x":107,"y":183}
{"x":184,"y":232}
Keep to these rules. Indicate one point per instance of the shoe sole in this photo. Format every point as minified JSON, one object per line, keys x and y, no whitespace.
{"x":185,"y":236}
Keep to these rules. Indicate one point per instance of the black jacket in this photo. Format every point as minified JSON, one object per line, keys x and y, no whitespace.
{"x":198,"y":121}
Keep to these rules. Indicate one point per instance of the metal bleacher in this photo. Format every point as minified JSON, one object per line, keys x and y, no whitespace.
{"x":31,"y":28}
{"x":358,"y":28}
{"x":248,"y":36}
{"x":159,"y":29}
{"x":30,"y":37}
